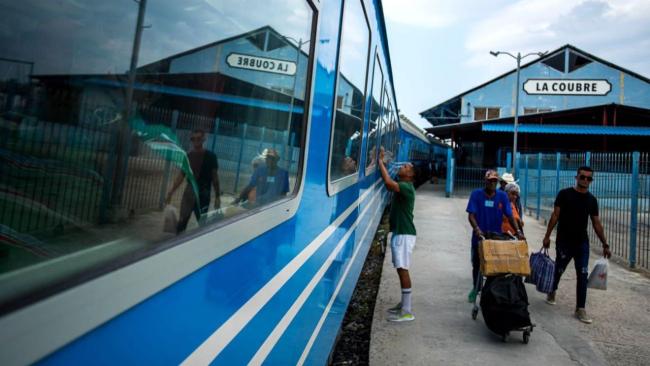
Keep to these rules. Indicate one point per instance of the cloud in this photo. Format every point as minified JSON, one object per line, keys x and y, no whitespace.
{"x":616,"y":30}
{"x":421,"y":13}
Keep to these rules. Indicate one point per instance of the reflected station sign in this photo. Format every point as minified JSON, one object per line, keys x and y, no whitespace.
{"x":264,"y":64}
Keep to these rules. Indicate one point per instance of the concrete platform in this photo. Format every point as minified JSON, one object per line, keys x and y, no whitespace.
{"x":444,"y":333}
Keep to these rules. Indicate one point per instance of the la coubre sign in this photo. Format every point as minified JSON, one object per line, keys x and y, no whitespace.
{"x":264,"y":64}
{"x":567,"y":86}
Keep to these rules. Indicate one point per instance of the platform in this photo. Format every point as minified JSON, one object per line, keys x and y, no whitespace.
{"x":444,"y":333}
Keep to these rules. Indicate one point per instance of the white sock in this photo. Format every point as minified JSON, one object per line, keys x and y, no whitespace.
{"x":406,"y":300}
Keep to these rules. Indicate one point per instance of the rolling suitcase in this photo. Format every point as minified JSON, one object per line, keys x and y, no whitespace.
{"x":504,"y":305}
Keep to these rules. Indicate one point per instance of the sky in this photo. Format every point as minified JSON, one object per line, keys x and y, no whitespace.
{"x":96,"y":36}
{"x":440,"y":48}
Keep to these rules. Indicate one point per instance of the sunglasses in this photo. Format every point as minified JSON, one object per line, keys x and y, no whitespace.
{"x":493,"y":180}
{"x":585,"y":177}
{"x":196,"y":138}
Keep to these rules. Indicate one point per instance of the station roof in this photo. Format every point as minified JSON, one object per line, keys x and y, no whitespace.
{"x":606,"y":119}
{"x":568,"y":129}
{"x":450,"y":105}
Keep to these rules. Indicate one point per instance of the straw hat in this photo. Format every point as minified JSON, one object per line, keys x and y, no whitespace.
{"x":508,"y":178}
{"x":270,"y":153}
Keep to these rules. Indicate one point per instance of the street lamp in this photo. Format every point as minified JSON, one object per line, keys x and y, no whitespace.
{"x":519,"y":57}
{"x":300,"y":43}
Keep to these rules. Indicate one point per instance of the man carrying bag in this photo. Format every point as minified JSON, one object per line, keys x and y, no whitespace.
{"x":573,"y":208}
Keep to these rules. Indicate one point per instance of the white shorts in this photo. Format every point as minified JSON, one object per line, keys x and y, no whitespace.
{"x":401,"y":247}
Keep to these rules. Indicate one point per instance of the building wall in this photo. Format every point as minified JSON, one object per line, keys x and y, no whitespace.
{"x":501,"y":93}
{"x":213,"y":59}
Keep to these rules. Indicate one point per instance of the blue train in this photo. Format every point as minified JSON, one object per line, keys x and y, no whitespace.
{"x":190,"y":182}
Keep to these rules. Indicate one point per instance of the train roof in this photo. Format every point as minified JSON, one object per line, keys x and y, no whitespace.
{"x":417,"y":131}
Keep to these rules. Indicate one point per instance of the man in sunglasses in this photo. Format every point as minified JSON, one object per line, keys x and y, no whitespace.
{"x":486,"y":208}
{"x":573,"y":207}
{"x":205,"y":168}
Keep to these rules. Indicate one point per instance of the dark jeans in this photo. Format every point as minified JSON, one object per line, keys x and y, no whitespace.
{"x":580,"y":255}
{"x":476,"y":265}
{"x":188,"y":206}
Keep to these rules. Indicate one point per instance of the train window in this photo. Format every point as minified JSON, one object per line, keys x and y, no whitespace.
{"x":345,"y":149}
{"x":374,"y":120}
{"x":395,"y":134}
{"x":385,"y":126}
{"x":124,"y":124}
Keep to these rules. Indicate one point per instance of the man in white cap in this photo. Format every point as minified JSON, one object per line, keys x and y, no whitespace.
{"x":505,"y":179}
{"x":269,"y":180}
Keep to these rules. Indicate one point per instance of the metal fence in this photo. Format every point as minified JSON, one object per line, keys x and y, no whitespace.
{"x":621,"y":185}
{"x":53,"y":175}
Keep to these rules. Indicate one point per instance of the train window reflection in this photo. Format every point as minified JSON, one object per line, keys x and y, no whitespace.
{"x":114,"y":142}
{"x":387,"y":127}
{"x":350,"y":94}
{"x":375,"y":112}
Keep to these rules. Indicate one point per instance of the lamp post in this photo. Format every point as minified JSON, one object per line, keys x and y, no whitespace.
{"x":295,"y":76}
{"x":519,"y":57}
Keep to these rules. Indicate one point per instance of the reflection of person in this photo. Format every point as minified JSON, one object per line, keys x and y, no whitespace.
{"x":403,"y":230}
{"x":348,"y":165}
{"x":573,"y":208}
{"x":248,"y":193}
{"x":351,"y":159}
{"x":512,"y":190}
{"x":205,"y":168}
{"x":485,"y":209}
{"x":372,"y":157}
{"x":269,"y":180}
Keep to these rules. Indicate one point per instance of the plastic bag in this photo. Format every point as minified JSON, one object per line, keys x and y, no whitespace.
{"x":598,"y":276}
{"x":542,"y":271}
{"x":171,"y":219}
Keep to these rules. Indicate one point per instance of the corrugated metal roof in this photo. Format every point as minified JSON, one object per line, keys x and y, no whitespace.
{"x":570,"y":129}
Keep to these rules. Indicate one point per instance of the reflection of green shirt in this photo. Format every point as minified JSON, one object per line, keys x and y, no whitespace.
{"x":401,"y":210}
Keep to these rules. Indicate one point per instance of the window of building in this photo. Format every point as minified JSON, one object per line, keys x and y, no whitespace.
{"x":374,"y":120}
{"x":533,"y":110}
{"x":99,"y":160}
{"x":577,"y":61}
{"x":483,"y":113}
{"x":275,"y":42}
{"x":354,"y":50}
{"x":258,"y":39}
{"x":556,"y":61}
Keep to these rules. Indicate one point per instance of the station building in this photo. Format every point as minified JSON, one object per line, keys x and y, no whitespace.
{"x":569,"y":100}
{"x":257,"y":77}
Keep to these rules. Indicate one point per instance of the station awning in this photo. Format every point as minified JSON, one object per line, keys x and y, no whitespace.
{"x":569,"y":129}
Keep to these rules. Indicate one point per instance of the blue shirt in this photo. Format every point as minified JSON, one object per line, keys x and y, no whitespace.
{"x":269,"y":187}
{"x":488,"y":211}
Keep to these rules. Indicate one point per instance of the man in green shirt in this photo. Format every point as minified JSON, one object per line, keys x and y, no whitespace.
{"x":403,"y":230}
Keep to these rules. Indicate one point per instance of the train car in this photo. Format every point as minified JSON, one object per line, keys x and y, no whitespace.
{"x":427,"y":154}
{"x":188,"y":182}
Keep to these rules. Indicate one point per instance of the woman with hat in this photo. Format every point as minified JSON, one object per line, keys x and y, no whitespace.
{"x":504,"y":180}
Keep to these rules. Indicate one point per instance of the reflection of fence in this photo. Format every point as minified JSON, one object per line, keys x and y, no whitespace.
{"x":622,"y":186}
{"x":55,"y":175}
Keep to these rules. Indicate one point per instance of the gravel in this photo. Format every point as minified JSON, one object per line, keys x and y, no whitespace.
{"x":353,"y":343}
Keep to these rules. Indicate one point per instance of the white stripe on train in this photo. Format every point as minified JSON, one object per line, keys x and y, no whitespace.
{"x":217,"y":341}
